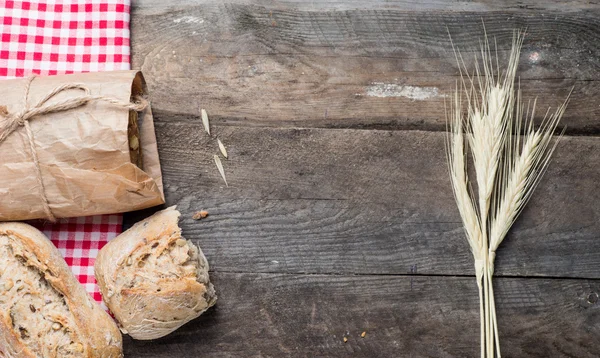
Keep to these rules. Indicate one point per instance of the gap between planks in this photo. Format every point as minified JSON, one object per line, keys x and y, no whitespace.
{"x":391,"y":275}
{"x":337,"y":124}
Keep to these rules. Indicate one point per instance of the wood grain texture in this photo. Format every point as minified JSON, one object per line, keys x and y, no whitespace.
{"x":284,"y":63}
{"x":355,"y":201}
{"x":339,"y":217}
{"x":152,"y":6}
{"x":266,"y":315}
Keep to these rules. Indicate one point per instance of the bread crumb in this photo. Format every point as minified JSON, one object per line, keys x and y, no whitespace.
{"x":200,"y":215}
{"x":345,"y":339}
{"x":363,"y":334}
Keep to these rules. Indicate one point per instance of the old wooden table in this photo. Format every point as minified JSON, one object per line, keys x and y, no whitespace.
{"x":339,"y":218}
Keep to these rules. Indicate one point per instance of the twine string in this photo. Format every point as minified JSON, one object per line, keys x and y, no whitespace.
{"x":12,"y":121}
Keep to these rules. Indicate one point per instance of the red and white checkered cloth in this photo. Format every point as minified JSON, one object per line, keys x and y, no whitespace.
{"x":51,"y":37}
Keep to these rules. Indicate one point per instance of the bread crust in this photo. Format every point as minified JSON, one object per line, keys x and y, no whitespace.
{"x":98,"y":334}
{"x":152,"y":279}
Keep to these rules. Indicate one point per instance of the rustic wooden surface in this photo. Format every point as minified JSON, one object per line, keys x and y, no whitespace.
{"x":339,"y":218}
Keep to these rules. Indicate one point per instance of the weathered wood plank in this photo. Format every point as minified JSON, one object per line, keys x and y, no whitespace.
{"x":264,"y":315}
{"x":420,"y":5}
{"x":356,"y":201}
{"x":281,"y":63}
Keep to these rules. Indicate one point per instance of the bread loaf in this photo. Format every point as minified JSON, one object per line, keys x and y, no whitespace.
{"x":45,"y":312}
{"x":152,"y":279}
{"x":133,"y":132}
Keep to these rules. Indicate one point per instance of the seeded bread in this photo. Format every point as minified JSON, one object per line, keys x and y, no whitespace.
{"x":44,"y":311}
{"x":152,"y":279}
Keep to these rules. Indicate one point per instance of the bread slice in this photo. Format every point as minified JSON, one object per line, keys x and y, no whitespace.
{"x":44,"y":311}
{"x":152,"y":279}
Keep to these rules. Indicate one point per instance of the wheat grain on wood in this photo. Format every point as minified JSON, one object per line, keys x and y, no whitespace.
{"x":221,"y":169}
{"x":222,"y":148}
{"x":205,"y":122}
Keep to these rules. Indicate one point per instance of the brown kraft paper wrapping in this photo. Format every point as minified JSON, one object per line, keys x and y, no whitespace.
{"x":83,"y":152}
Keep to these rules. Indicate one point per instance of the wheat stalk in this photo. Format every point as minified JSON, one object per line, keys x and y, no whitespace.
{"x":507,"y":170}
{"x":464,"y":201}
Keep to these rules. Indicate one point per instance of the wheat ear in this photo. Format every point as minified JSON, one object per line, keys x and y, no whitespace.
{"x":523,"y":172}
{"x":507,"y":168}
{"x":523,"y":168}
{"x":489,"y":120}
{"x":459,"y":179}
{"x":458,"y":176}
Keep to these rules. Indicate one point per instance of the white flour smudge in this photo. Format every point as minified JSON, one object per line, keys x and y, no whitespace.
{"x":380,"y":89}
{"x":189,"y":20}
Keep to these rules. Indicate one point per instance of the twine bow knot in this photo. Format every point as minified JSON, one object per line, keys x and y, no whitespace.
{"x":12,"y":121}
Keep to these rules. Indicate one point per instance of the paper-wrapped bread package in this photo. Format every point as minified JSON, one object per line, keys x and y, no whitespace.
{"x":77,"y":145}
